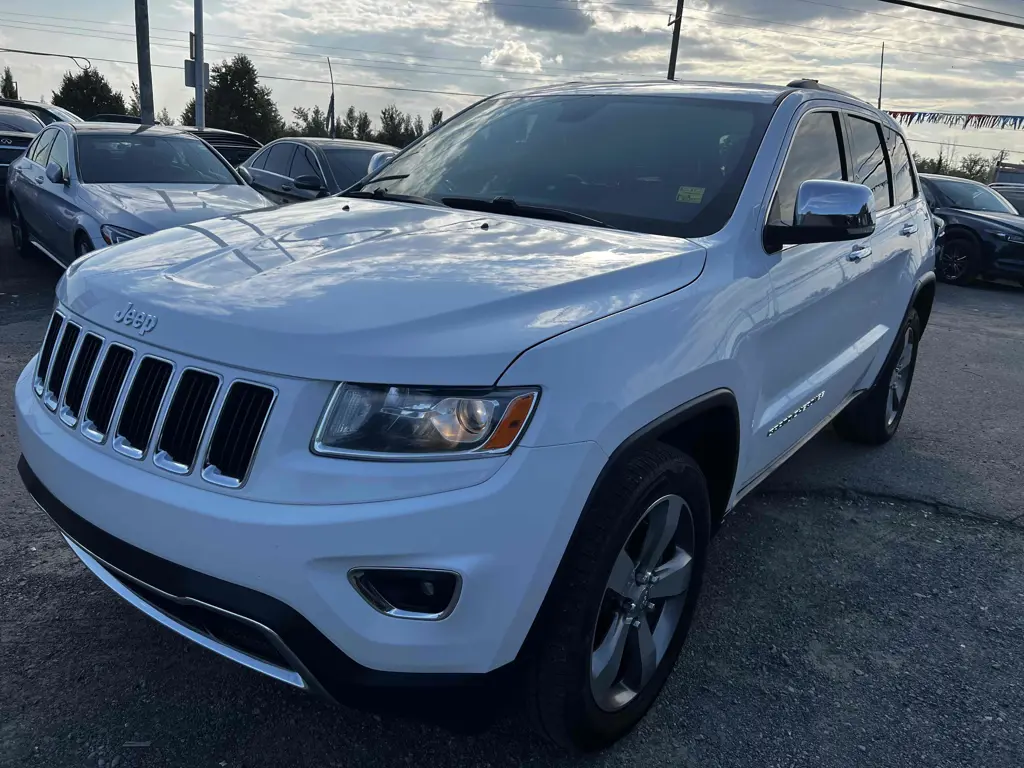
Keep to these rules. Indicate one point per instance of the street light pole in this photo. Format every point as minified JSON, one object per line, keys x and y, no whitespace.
{"x":200,"y":68}
{"x":676,"y":24}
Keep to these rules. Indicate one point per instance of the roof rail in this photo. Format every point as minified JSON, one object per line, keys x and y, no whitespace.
{"x":816,"y":86}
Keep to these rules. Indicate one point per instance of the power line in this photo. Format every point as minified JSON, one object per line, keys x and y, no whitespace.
{"x":958,"y":14}
{"x":965,"y":146}
{"x":897,"y":18}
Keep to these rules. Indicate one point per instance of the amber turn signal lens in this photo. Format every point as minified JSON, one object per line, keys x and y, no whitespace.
{"x":512,"y":423}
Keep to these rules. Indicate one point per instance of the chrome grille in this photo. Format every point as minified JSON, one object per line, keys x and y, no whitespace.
{"x":186,"y":420}
{"x":46,"y":353}
{"x":105,"y":392}
{"x":98,"y":384}
{"x":79,"y":379}
{"x":61,"y":361}
{"x":141,"y":407}
{"x":239,"y":428}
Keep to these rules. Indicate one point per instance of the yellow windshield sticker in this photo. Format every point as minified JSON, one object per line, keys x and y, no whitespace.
{"x":690,"y":195}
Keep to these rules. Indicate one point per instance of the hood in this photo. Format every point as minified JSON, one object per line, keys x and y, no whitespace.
{"x":148,"y":208}
{"x":374,"y":292}
{"x":1004,"y":220}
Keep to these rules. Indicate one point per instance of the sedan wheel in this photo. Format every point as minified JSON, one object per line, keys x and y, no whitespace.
{"x":957,"y":263}
{"x":18,"y":235}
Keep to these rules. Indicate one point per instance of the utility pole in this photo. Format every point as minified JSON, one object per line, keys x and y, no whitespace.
{"x":676,"y":25}
{"x":200,"y":68}
{"x":145,"y":68}
{"x":881,"y":70}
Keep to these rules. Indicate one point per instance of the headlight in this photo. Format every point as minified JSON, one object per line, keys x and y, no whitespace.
{"x":1010,"y":237}
{"x":395,"y":423}
{"x":114,"y":235}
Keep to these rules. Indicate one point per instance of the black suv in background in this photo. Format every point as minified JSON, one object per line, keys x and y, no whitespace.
{"x":984,"y":234}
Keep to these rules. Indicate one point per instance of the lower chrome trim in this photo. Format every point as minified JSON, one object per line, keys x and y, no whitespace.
{"x":47,"y":254}
{"x":105,"y":573}
{"x":787,"y":454}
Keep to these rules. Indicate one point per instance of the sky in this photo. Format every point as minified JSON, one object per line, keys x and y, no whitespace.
{"x":421,"y":54}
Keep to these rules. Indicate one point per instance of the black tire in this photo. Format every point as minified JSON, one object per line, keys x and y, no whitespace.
{"x":959,"y":261}
{"x":560,"y":691}
{"x":82,"y":245}
{"x":867,"y":419}
{"x":19,"y":235}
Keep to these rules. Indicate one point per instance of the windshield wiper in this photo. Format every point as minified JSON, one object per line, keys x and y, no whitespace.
{"x":509,"y":206}
{"x":382,"y":194}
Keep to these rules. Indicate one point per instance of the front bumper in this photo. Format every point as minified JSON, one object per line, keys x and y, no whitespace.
{"x":281,"y":569}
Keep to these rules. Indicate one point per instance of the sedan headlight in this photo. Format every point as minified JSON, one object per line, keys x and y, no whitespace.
{"x":403,"y":423}
{"x":1010,"y":237}
{"x":113,"y":235}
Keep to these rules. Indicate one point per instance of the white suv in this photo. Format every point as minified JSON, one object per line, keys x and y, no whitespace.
{"x":484,"y":411}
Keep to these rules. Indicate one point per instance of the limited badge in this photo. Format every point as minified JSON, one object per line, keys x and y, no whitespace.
{"x":692,"y":195}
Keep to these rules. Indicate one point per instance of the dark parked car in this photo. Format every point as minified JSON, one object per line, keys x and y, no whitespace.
{"x":296,"y":169}
{"x":234,"y":147}
{"x":984,"y":234}
{"x":47,"y":113}
{"x":17,"y":129}
{"x":1013,"y":192}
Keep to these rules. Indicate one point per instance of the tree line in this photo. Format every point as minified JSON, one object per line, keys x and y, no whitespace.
{"x":236,"y":101}
{"x":974,"y":166}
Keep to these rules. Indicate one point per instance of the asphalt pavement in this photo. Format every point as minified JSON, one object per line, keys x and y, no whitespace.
{"x":862,"y":609}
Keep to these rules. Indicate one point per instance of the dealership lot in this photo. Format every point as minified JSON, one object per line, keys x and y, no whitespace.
{"x":862,"y":609}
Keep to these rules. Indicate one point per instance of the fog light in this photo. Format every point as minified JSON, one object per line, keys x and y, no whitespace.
{"x":408,"y":593}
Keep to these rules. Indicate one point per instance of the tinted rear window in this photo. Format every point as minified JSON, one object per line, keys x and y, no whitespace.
{"x":665,"y":165}
{"x":349,"y":165}
{"x":141,"y":159}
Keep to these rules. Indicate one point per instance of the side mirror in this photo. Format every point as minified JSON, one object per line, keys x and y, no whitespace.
{"x":55,"y":174}
{"x":825,"y":212}
{"x":308,"y":182}
{"x":378,"y":161}
{"x":244,"y":173}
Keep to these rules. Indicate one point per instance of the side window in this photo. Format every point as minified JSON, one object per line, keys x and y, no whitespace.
{"x":41,"y":151}
{"x":59,"y":153}
{"x":869,"y":160}
{"x":303,"y":164}
{"x":280,"y":158}
{"x":258,"y":161}
{"x":929,"y":195}
{"x":904,"y":186}
{"x":816,"y":153}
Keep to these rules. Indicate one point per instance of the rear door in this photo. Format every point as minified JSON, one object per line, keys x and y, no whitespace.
{"x":270,"y":170}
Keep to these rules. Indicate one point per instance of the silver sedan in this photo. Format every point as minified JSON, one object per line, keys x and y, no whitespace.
{"x":83,"y":186}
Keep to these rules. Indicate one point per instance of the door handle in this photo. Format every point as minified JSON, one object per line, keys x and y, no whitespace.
{"x":286,"y":187}
{"x":908,"y":229}
{"x":858,"y":252}
{"x":38,"y":179}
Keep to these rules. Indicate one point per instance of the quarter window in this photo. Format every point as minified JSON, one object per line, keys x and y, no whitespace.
{"x":904,"y":187}
{"x":258,"y":161}
{"x":816,"y":153}
{"x":869,"y":161}
{"x":280,"y":158}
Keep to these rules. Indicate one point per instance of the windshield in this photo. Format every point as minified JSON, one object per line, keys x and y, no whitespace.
{"x":348,"y":164}
{"x":20,"y":122}
{"x":142,"y":159}
{"x":971,"y":196}
{"x":663,"y":165}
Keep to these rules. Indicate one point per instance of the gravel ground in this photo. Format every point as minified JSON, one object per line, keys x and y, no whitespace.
{"x":862,"y":609}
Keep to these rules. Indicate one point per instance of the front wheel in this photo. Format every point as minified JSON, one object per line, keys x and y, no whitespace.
{"x":622,"y":601}
{"x":874,"y":417}
{"x":958,"y":260}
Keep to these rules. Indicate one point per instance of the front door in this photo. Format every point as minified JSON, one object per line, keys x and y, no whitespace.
{"x":820,"y":337}
{"x":270,"y":171}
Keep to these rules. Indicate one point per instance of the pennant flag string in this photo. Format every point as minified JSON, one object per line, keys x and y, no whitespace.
{"x":964,"y":120}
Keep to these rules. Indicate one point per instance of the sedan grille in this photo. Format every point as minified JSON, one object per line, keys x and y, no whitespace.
{"x":98,"y":384}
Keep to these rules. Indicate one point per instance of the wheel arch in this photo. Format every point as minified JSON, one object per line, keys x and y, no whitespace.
{"x":923,"y":298}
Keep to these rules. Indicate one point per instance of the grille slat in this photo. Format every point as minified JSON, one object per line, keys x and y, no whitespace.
{"x":80,"y":373}
{"x":61,"y":361}
{"x":186,"y":420}
{"x":141,"y":406}
{"x":49,"y":342}
{"x":109,"y":382}
{"x":239,"y":427}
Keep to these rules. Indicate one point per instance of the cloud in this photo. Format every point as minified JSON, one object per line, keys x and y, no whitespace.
{"x":514,"y":53}
{"x":565,"y":16}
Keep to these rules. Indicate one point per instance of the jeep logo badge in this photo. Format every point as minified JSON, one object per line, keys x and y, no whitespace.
{"x":135,"y":318}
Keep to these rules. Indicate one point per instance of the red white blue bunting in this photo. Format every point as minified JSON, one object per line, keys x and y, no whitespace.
{"x":962,"y":120}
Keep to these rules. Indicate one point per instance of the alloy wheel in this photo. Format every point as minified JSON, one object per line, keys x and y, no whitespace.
{"x":954,"y":260}
{"x":643,"y":603}
{"x":900,"y":380}
{"x":17,"y":233}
